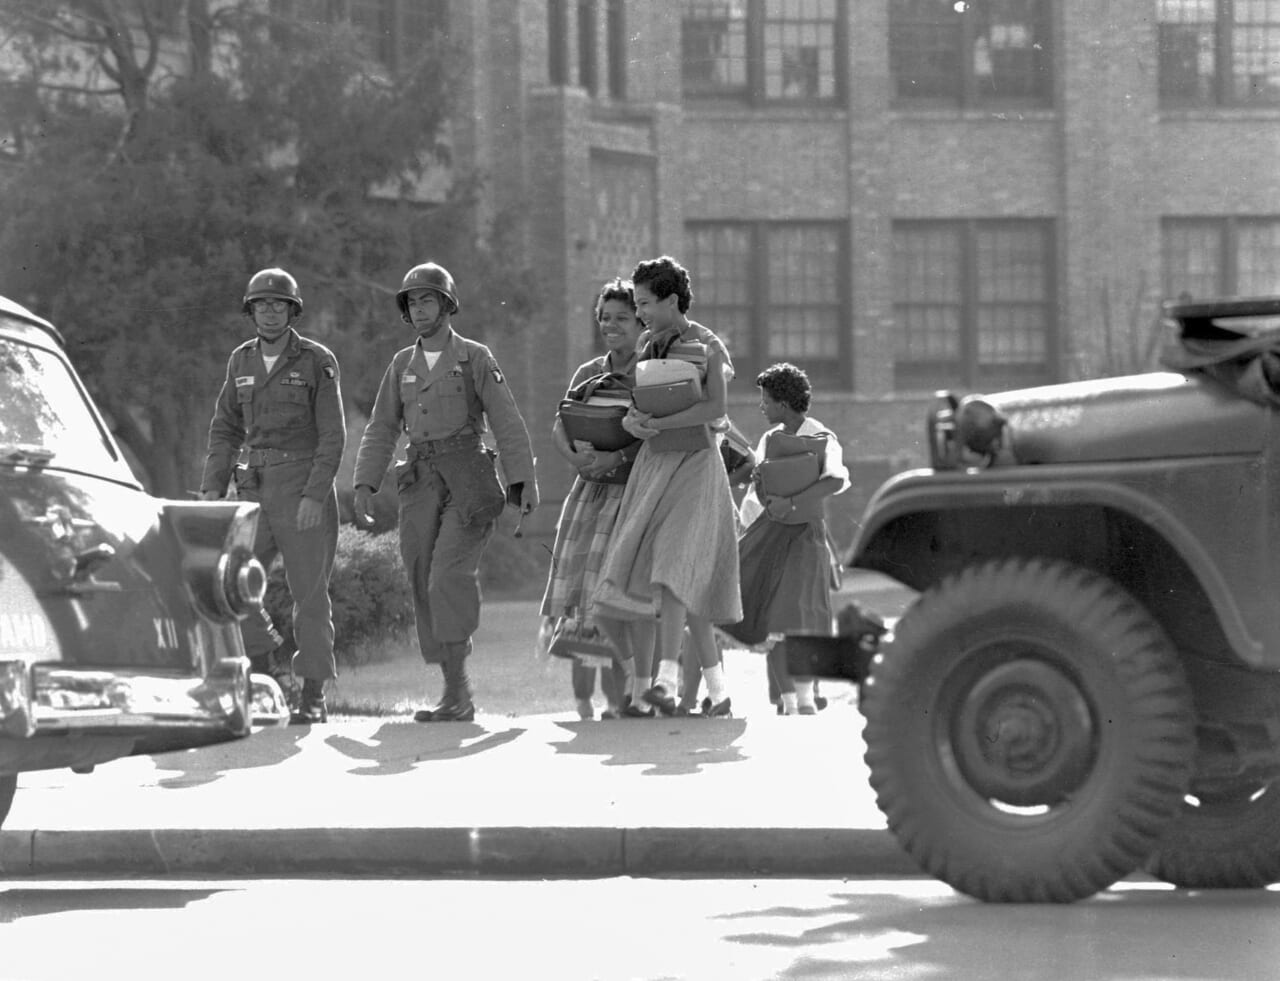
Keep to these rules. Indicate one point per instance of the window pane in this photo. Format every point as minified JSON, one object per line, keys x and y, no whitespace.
{"x":714,"y":47}
{"x":1011,"y":290}
{"x":1258,"y":258}
{"x":1193,"y":258}
{"x":1009,"y":49}
{"x":720,"y":267}
{"x":805,"y":299}
{"x":928,"y":292}
{"x":1255,"y":51}
{"x":799,"y":49}
{"x":924,"y":49}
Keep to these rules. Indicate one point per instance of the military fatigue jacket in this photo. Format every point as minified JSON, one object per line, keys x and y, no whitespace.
{"x":430,"y":404}
{"x":298,"y":406}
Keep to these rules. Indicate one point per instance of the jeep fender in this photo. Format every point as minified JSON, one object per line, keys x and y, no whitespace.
{"x":923,"y":525}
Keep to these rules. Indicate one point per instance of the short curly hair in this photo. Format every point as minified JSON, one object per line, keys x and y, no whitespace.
{"x":662,"y":277}
{"x":787,"y":384}
{"x":616,"y":289}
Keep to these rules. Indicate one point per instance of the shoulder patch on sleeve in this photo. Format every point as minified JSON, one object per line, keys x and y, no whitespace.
{"x":496,"y":372}
{"x":329,"y":371}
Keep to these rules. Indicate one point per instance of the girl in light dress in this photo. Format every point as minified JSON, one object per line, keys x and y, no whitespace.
{"x":674,"y":550}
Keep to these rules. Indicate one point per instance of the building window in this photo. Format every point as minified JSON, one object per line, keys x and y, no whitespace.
{"x":764,"y":51}
{"x":558,"y":42}
{"x":971,"y":52}
{"x":588,"y":53}
{"x":391,"y":31}
{"x":1208,"y":257}
{"x":973,"y":304}
{"x":616,"y":31}
{"x":1219,"y":52}
{"x":774,"y":291}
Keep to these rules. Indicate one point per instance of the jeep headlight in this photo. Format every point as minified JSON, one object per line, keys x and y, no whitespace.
{"x":980,"y":428}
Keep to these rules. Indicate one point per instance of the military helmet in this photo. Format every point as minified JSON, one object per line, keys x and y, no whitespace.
{"x":272,"y":284}
{"x":427,"y":276}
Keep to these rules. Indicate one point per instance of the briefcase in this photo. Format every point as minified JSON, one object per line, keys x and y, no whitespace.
{"x":599,"y":425}
{"x":780,"y":444}
{"x":787,"y":476}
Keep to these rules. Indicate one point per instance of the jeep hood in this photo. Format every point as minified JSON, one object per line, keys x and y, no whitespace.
{"x":1157,"y":415}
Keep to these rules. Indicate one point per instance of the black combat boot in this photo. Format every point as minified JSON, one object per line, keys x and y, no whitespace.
{"x":311,"y":708}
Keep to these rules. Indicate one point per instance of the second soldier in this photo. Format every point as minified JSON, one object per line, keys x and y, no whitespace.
{"x":440,"y":391}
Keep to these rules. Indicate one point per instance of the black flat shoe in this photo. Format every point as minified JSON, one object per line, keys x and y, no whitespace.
{"x":657,"y":697}
{"x":633,"y":711}
{"x":447,"y":712}
{"x":722,"y":709}
{"x":309,"y":713}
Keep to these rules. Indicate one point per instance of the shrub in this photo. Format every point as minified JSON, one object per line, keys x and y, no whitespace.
{"x":371,"y":598}
{"x":370,"y":593}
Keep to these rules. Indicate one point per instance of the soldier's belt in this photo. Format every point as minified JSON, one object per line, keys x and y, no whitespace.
{"x":427,"y":448}
{"x":271,"y":457}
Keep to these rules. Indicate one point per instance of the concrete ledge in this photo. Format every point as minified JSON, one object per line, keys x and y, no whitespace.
{"x":582,"y":852}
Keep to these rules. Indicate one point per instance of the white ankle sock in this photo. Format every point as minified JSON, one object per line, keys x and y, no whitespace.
{"x":669,"y":676}
{"x":804,"y":692}
{"x":788,"y":703}
{"x":716,"y":690}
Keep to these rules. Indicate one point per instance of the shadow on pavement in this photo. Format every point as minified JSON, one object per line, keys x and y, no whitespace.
{"x":196,"y":767}
{"x":397,"y":748}
{"x":671,"y":747}
{"x":15,"y":904}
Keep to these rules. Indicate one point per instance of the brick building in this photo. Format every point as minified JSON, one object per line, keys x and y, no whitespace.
{"x":899,"y":195}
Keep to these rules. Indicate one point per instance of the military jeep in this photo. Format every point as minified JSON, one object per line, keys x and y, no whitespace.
{"x":1089,"y":681}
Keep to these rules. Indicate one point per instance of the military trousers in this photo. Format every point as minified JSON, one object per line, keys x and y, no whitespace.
{"x":308,"y":562}
{"x":442,"y":559}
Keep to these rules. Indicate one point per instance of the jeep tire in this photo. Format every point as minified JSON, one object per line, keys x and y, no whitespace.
{"x":1029,"y":732}
{"x":1226,"y":839}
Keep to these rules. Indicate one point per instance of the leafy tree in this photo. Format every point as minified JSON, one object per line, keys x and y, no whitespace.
{"x":159,"y":153}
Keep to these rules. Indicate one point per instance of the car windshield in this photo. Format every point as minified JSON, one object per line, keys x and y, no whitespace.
{"x":44,"y":415}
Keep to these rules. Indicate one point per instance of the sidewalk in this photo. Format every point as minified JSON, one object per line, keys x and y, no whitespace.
{"x":519,"y":796}
{"x":529,"y":796}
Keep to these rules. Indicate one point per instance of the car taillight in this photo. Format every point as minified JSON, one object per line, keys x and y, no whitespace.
{"x":241,"y":581}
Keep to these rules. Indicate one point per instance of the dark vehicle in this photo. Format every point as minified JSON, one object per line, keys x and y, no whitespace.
{"x":118,"y":611}
{"x":1089,"y":681}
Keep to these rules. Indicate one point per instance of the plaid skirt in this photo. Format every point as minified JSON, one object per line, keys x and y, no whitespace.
{"x":586,"y":521}
{"x":786,"y":581}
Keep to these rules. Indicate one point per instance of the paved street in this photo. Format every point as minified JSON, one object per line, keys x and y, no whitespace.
{"x":622,"y":928}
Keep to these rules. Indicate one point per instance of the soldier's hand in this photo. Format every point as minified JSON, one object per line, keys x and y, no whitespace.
{"x":529,"y":496}
{"x":210,"y":495}
{"x":364,"y":507}
{"x":309,"y":514}
{"x":523,"y":495}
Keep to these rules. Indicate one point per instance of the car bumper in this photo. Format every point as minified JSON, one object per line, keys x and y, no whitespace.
{"x":57,"y":699}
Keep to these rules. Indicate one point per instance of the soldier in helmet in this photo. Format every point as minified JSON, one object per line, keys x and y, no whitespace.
{"x":278,"y":431}
{"x":444,"y":391}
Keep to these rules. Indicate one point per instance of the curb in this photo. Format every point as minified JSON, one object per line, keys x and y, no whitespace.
{"x":587,"y":852}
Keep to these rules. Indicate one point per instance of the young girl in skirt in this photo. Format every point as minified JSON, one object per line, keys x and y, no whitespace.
{"x":786,"y":563}
{"x":591,"y":510}
{"x":674,"y":549}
